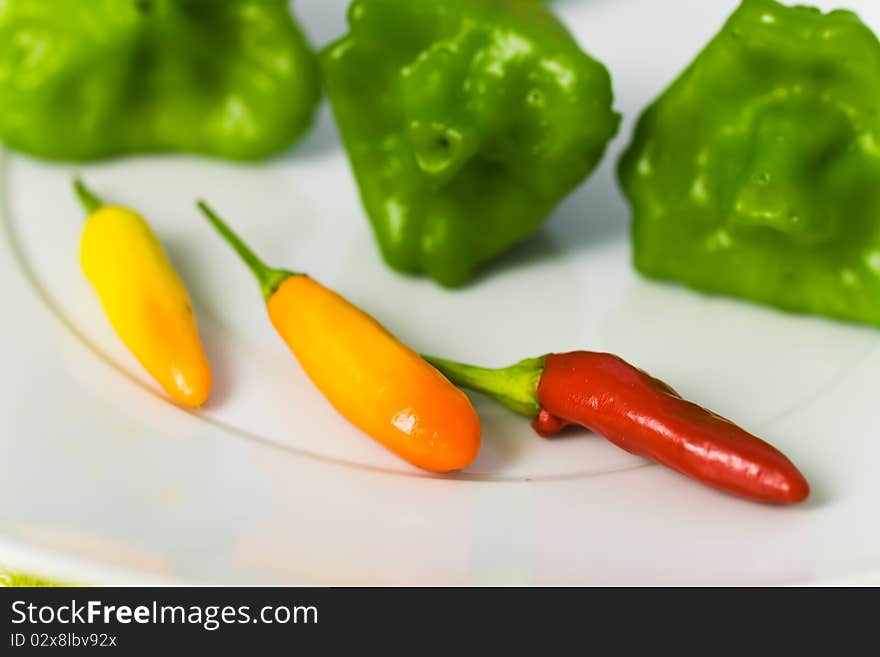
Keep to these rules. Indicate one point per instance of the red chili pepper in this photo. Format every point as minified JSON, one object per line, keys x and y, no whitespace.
{"x":640,"y":414}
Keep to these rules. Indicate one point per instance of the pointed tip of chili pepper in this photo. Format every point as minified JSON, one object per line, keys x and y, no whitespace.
{"x":782,"y":485}
{"x":796,"y":489}
{"x":87,"y":197}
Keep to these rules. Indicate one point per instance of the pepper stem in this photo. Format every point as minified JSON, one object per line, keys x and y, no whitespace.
{"x":90,"y":201}
{"x":516,"y":387}
{"x":269,"y":279}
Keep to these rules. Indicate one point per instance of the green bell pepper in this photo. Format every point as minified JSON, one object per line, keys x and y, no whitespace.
{"x":466,"y":122}
{"x":89,"y":79}
{"x":757,"y":172}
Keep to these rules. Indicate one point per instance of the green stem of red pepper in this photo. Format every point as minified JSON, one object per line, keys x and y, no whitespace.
{"x":513,"y":386}
{"x":640,"y":414}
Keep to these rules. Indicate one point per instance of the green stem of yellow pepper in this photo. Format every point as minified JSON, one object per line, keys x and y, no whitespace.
{"x":89,"y":200}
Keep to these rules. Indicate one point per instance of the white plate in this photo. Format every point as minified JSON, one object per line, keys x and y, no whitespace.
{"x":104,"y":481}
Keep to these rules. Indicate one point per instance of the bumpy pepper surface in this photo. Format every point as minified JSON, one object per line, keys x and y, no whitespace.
{"x":85,"y":80}
{"x":466,"y":122}
{"x":757,"y":173}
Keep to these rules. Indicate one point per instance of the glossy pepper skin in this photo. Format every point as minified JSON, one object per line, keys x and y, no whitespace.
{"x":144,"y":299}
{"x":757,"y":172}
{"x":85,"y":80}
{"x":466,"y":122}
{"x":640,"y":414}
{"x":379,"y":384}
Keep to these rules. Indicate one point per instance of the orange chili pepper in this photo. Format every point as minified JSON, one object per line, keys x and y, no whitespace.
{"x":144,"y":298}
{"x":379,"y":384}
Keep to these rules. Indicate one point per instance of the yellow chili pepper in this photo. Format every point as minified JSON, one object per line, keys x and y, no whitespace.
{"x":379,"y":384}
{"x":144,"y":298}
